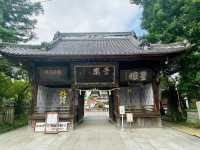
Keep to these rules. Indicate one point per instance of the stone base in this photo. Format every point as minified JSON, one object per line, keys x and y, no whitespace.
{"x":142,"y":123}
{"x":193,"y":117}
{"x":147,"y":122}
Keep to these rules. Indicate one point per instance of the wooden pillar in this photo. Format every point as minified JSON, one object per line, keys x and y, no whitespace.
{"x":72,"y":107}
{"x":81,"y":105}
{"x":117,"y":101}
{"x":111,"y":106}
{"x":117,"y":104}
{"x":33,"y":78}
{"x":34,"y":97}
{"x":156,"y":92}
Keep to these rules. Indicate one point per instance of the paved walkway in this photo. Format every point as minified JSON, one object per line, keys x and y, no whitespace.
{"x":185,"y":129}
{"x":96,"y":133}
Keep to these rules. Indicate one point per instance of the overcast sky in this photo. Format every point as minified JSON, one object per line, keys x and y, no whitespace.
{"x":87,"y":16}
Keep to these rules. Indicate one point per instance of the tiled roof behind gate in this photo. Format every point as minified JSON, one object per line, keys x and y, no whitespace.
{"x":117,"y":43}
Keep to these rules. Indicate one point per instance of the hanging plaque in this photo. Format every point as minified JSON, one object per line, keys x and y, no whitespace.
{"x":137,"y":75}
{"x":94,"y":74}
{"x":53,"y":74}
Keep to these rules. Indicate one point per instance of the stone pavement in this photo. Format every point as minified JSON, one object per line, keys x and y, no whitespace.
{"x":96,"y":133}
{"x":183,"y":128}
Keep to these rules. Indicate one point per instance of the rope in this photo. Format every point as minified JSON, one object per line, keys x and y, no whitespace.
{"x":99,"y":90}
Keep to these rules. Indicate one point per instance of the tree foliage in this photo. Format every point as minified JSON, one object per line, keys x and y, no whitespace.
{"x":16,"y":19}
{"x":168,"y":21}
{"x":17,"y":24}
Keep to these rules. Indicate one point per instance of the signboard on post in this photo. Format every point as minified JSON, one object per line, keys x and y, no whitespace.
{"x":51,"y":122}
{"x":122,"y":110}
{"x":129,"y":117}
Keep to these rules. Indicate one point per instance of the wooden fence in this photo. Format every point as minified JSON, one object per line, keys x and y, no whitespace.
{"x":7,"y":115}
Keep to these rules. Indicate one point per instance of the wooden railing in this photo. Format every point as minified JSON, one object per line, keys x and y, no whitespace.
{"x":59,"y":109}
{"x":138,"y":109}
{"x":7,"y":115}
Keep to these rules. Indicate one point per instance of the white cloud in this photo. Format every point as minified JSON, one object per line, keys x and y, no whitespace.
{"x":86,"y":16}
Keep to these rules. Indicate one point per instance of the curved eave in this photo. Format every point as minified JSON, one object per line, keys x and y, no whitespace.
{"x":96,"y":56}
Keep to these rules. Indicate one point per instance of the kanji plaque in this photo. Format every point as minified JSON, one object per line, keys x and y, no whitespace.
{"x":136,"y":75}
{"x":94,"y":74}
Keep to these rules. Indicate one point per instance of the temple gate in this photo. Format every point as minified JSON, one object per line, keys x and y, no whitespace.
{"x":60,"y":71}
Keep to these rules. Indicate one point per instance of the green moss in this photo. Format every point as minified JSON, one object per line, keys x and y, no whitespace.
{"x":190,"y":125}
{"x":191,"y":110}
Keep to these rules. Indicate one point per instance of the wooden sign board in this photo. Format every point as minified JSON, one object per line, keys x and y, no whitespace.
{"x":53,"y":74}
{"x":121,"y":110}
{"x":129,"y":117}
{"x":51,"y":122}
{"x":39,"y":127}
{"x":136,"y":75}
{"x":94,"y":74}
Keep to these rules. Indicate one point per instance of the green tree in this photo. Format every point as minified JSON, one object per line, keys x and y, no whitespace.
{"x":169,"y":21}
{"x":17,"y":24}
{"x":16,"y":19}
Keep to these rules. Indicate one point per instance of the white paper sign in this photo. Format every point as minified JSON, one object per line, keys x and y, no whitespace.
{"x":198,"y":108}
{"x":52,"y":118}
{"x":39,"y":126}
{"x":63,"y":126}
{"x":51,"y":122}
{"x":51,"y":128}
{"x":122,"y":110}
{"x":129,"y":117}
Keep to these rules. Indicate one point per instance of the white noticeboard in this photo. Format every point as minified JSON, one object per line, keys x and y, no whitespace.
{"x":63,"y":126}
{"x":51,"y":128}
{"x":51,"y":122}
{"x":122,"y":110}
{"x":52,"y":118}
{"x":129,"y":117}
{"x":198,"y":108}
{"x":39,"y":126}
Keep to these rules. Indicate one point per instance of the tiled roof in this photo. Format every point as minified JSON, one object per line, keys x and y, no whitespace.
{"x":67,"y":44}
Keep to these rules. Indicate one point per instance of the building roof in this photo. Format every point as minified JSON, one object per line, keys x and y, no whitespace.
{"x":91,"y":44}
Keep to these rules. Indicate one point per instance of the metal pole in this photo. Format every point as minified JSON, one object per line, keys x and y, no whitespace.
{"x":122,"y":129}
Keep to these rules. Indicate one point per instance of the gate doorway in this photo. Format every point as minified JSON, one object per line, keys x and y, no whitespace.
{"x":96,"y":104}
